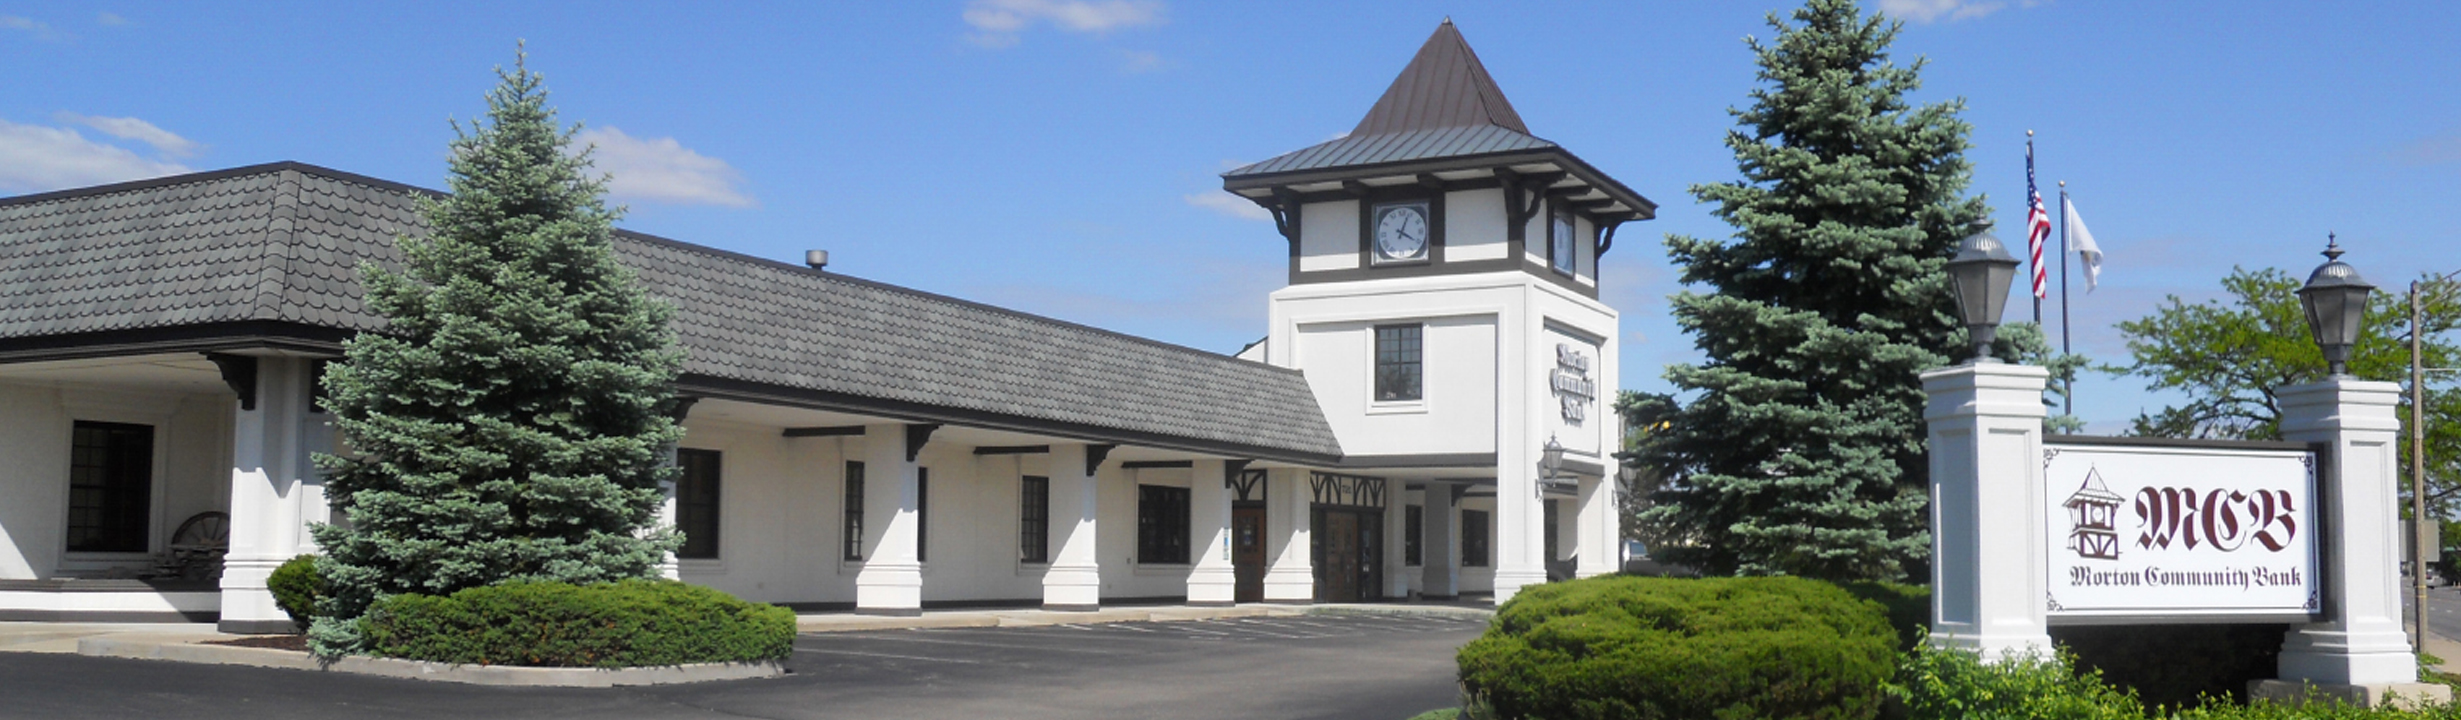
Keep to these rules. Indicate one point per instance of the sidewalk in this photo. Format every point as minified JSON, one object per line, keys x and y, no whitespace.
{"x":1025,"y":617}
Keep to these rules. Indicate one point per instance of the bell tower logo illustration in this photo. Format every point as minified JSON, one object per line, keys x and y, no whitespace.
{"x":2093,"y":530}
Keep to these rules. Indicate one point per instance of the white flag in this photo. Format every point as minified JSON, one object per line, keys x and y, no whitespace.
{"x":2081,"y":242}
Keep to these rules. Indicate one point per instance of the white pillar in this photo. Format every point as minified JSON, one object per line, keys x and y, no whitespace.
{"x":1290,"y":575}
{"x":1439,"y":555}
{"x":1520,"y":544}
{"x":891,"y":582}
{"x":1987,"y":509}
{"x":275,"y":491}
{"x":1074,"y":580}
{"x":1598,"y":527}
{"x":1213,"y":582}
{"x":1396,"y":526}
{"x":2363,"y":642}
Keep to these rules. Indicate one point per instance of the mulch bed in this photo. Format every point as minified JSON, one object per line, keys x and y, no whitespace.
{"x":275,"y":642}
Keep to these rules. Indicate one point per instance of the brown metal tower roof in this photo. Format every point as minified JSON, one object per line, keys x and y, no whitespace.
{"x":1444,"y":86}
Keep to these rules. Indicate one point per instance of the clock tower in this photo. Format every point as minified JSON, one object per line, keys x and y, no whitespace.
{"x":1443,"y":303}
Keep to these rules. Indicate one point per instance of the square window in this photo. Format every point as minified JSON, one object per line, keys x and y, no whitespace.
{"x":1474,"y":538}
{"x":1162,"y":525}
{"x":854,"y":512}
{"x":1034,"y":520}
{"x":110,"y":487}
{"x":1397,"y":362}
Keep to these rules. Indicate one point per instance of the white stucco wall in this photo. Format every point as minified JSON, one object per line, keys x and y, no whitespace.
{"x":1329,"y":236}
{"x":192,"y":442}
{"x":1474,"y":225}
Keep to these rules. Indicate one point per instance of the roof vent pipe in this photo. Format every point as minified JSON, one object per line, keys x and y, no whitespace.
{"x":818,"y":259}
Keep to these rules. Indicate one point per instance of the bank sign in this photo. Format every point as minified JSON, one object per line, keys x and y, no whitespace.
{"x":2147,"y":533}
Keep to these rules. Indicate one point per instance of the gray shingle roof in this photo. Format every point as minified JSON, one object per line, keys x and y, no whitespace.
{"x":282,"y":243}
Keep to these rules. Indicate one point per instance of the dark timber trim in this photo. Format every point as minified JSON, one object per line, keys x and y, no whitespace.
{"x":1095,"y":454}
{"x":681,"y":407}
{"x":916,"y":435}
{"x":239,"y":372}
{"x":765,"y":393}
{"x":178,"y":339}
{"x":825,"y":431}
{"x":1012,"y":450}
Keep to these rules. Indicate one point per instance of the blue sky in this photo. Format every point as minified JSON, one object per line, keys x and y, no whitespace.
{"x":1061,"y":156}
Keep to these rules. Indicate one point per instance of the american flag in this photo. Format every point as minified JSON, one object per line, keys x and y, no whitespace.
{"x":2037,"y":223}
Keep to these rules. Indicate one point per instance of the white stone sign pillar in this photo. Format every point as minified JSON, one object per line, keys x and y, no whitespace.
{"x":2361,"y":652}
{"x":1987,"y":509}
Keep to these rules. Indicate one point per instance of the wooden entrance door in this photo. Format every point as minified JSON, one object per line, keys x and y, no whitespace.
{"x":1248,"y":554}
{"x":1338,"y":576}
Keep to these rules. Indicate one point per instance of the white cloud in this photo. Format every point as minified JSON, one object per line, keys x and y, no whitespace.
{"x":40,"y":29}
{"x":128,"y":128}
{"x":662,"y":170}
{"x":1140,"y":61}
{"x":1927,"y":11}
{"x":999,"y":22}
{"x":35,"y":158}
{"x":1228,"y":204}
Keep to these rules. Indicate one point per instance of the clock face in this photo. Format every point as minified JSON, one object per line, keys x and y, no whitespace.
{"x":1401,"y":232}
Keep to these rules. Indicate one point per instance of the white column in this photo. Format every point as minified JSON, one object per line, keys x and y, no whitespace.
{"x":1213,"y":582}
{"x":1396,"y":526}
{"x":1439,"y":555}
{"x":1598,"y":526}
{"x":1290,"y":574}
{"x":2363,"y":642}
{"x":1987,"y":509}
{"x":1074,"y":581}
{"x":1520,"y":524}
{"x":275,"y":491}
{"x":891,"y":582}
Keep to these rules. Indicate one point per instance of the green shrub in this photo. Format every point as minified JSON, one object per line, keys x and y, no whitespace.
{"x":632,"y":623}
{"x":1646,"y":648}
{"x":296,"y":588}
{"x":1956,"y":685}
{"x":1908,"y":608}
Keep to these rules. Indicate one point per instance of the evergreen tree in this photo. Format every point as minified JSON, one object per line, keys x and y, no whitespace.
{"x":1799,"y":449}
{"x":506,"y":424}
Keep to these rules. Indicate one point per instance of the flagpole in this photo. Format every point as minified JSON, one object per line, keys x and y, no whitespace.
{"x":2069,"y":380}
{"x":2031,"y":284}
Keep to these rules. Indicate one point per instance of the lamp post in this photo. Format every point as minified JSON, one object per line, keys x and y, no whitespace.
{"x":2335,"y":298}
{"x":1551,"y":468}
{"x":1981,"y":271}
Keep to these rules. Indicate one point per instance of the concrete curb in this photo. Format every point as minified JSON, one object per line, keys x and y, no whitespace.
{"x":1031,"y":618}
{"x":1404,"y":610}
{"x":186,"y":650}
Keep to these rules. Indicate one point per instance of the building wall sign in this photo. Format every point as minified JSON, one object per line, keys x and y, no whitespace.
{"x":2141,"y":532}
{"x":1572,"y":384}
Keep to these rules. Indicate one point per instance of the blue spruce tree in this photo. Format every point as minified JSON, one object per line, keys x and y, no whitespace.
{"x":507,"y":423}
{"x":1798,"y":446}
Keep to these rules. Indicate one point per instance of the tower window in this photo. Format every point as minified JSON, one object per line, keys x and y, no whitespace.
{"x":1561,"y":247}
{"x":1397,"y":362}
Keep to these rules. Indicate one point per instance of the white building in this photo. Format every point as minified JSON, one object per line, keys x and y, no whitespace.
{"x":854,"y":445}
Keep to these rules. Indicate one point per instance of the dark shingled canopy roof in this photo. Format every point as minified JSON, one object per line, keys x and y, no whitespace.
{"x":278,"y":246}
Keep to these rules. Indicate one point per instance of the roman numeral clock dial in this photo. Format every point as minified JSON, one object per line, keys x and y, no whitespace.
{"x":1401,"y":233}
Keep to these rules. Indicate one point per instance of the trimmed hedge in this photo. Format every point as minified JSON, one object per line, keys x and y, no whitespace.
{"x":1908,"y":608}
{"x":633,"y":623}
{"x":1647,"y":648}
{"x":296,"y":587}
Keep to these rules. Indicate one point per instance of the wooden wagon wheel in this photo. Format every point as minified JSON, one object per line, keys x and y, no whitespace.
{"x":209,"y":529}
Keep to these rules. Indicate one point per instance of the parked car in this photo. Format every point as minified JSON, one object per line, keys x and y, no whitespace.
{"x":1638,"y":562}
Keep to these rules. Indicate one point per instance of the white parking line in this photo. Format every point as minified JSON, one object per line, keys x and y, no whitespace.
{"x":890,"y":655}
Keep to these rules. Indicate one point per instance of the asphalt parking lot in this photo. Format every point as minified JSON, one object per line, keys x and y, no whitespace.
{"x":1366,"y":667}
